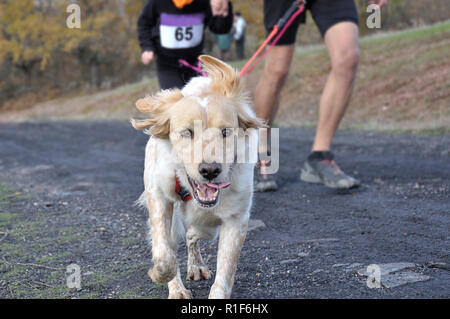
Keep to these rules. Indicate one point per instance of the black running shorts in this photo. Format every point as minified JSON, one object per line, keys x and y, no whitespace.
{"x":325,"y":13}
{"x":173,"y":74}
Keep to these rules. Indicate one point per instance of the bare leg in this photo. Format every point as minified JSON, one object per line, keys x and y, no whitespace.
{"x":276,"y":69}
{"x":232,"y":236}
{"x":197,"y":269}
{"x":342,"y":42}
{"x":163,"y":250}
{"x":177,"y":289}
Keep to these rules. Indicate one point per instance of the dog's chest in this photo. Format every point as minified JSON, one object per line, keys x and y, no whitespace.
{"x":194,"y":215}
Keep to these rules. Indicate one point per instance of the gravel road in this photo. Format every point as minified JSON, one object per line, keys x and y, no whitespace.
{"x":67,"y":191}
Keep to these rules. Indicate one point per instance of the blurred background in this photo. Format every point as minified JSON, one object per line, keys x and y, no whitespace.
{"x":48,"y":71}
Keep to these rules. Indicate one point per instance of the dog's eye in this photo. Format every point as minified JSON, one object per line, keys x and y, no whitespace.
{"x":226,"y":132}
{"x":186,"y":133}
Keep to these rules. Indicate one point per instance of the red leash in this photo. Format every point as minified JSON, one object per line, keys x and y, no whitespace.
{"x":294,"y":11}
{"x":283,"y":24}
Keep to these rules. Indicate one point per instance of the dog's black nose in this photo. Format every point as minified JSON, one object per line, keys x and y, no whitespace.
{"x":210,"y":170}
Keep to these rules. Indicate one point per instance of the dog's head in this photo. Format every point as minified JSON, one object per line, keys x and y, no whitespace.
{"x":203,"y":123}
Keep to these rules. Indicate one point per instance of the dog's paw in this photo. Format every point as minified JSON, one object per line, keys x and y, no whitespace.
{"x":217,"y":292}
{"x":179,"y":293}
{"x":198,"y":272}
{"x":163,"y":270}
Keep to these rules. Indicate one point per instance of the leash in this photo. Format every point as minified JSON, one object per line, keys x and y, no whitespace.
{"x":297,"y":7}
{"x":197,"y":68}
{"x":293,"y":12}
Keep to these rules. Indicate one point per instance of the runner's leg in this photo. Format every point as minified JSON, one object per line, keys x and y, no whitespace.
{"x":342,"y":42}
{"x":268,"y":90}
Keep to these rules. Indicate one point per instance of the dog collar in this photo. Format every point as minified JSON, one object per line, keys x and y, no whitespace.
{"x":181,"y":191}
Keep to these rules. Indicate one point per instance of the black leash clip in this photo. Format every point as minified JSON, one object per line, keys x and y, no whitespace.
{"x":289,"y":12}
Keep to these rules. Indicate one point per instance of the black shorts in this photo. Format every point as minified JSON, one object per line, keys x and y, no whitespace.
{"x":325,"y":13}
{"x":172,"y":74}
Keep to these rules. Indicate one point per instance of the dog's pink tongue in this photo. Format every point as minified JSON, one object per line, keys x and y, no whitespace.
{"x":203,"y":188}
{"x":206,"y":190}
{"x":210,"y":192}
{"x":219,"y":186}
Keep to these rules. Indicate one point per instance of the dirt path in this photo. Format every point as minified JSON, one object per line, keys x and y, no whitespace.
{"x":67,"y":191}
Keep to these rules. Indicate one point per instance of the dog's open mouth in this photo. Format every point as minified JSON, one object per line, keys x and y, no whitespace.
{"x":207,"y":194}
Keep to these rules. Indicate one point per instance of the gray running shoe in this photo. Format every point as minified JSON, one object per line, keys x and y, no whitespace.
{"x":323,"y":169}
{"x":265,"y":182}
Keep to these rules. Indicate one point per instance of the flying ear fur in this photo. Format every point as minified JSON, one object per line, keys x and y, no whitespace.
{"x":247,"y":121}
{"x":157,"y":106}
{"x":224,"y":79}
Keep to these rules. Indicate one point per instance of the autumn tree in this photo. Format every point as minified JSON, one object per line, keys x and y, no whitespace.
{"x":29,"y":34}
{"x":132,"y":10}
{"x":100,"y":39}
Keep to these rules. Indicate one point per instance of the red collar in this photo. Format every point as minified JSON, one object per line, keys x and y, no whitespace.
{"x":181,"y":191}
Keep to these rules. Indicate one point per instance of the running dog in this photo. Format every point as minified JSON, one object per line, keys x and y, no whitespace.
{"x":191,"y":190}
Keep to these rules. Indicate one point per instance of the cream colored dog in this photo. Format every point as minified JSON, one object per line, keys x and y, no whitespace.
{"x":199,"y":138}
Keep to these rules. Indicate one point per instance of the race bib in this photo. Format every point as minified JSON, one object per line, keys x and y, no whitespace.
{"x":181,"y":31}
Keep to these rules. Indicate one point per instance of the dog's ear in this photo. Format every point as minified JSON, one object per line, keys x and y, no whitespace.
{"x":225,"y":80}
{"x":247,"y":120}
{"x":157,"y":106}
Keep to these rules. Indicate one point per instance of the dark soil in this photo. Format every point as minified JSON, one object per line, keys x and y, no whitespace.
{"x":67,"y":193}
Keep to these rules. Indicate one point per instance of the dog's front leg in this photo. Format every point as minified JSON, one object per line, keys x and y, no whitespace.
{"x":232,"y":236}
{"x":163,"y":250}
{"x":197,"y":269}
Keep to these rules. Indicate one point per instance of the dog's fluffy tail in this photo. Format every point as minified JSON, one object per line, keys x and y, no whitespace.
{"x":142,"y":201}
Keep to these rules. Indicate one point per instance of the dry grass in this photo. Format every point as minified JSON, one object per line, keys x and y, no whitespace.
{"x":115,"y":104}
{"x":403,"y":84}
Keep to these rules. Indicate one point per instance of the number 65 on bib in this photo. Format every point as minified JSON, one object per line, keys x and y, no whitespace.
{"x":181,"y":31}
